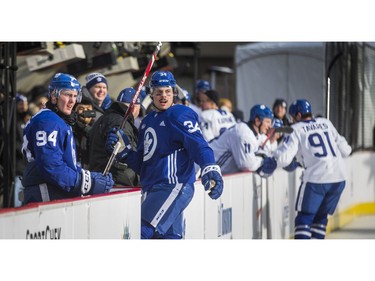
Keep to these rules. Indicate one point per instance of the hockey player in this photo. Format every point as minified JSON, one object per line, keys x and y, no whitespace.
{"x":169,"y":143}
{"x":201,"y":86}
{"x":49,"y":147}
{"x":320,"y":149}
{"x":213,"y":120}
{"x":236,"y":149}
{"x":269,"y":142}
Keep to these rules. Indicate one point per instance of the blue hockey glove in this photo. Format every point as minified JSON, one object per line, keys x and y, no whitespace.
{"x":269,"y":165}
{"x":293,"y":165}
{"x":113,"y":137}
{"x":212,"y":181}
{"x":95,"y":183}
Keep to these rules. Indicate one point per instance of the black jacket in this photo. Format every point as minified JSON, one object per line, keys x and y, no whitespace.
{"x":122,"y":175}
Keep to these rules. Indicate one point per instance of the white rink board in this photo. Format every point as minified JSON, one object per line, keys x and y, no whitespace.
{"x":114,"y":216}
{"x":249,"y":208}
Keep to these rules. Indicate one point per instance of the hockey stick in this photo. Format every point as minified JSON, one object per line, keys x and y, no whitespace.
{"x":131,"y":106}
{"x":273,"y":131}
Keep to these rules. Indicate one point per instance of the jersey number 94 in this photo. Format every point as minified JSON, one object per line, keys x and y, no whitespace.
{"x":41,"y":138}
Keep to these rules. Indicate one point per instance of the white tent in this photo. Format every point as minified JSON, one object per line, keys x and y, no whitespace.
{"x":267,"y":71}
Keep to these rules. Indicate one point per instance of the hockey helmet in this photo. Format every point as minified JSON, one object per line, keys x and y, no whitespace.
{"x":127,"y":95}
{"x":261,"y":111}
{"x":302,"y":106}
{"x":62,"y":81}
{"x":203,"y":85}
{"x":162,"y":79}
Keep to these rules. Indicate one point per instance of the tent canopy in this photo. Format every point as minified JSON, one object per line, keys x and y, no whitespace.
{"x":267,"y":71}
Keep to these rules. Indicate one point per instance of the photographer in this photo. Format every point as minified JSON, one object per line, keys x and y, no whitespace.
{"x":85,"y":116}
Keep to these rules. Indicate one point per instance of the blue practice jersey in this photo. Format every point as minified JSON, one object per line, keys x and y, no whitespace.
{"x":169,"y":143}
{"x":49,"y":147}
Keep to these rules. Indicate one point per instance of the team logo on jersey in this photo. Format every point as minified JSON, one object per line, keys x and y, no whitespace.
{"x":149,"y":144}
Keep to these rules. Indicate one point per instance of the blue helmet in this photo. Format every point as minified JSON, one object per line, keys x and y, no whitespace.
{"x":261,"y":111}
{"x":62,"y":81}
{"x":143,"y":94}
{"x":202,"y":85}
{"x":277,"y":123}
{"x":127,"y":95}
{"x":302,"y":106}
{"x":162,"y":79}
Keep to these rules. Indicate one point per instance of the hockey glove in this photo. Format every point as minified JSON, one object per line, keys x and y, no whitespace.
{"x":95,"y":183}
{"x":113,"y":137}
{"x":269,"y":165}
{"x":212,"y":181}
{"x":293,"y":165}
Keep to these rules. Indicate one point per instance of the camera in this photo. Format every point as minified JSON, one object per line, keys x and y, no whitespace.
{"x":88,"y":114}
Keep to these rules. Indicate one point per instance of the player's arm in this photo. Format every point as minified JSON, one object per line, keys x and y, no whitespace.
{"x":243,"y":148}
{"x":189,"y":133}
{"x":287,"y":150}
{"x":342,"y":144}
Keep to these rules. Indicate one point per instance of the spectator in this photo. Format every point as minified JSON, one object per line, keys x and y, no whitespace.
{"x":226,"y":104}
{"x":22,"y":117}
{"x":279,"y":111}
{"x":2,"y":135}
{"x":236,"y":149}
{"x":320,"y":149}
{"x":96,"y":89}
{"x":112,"y":118}
{"x":38,"y":100}
{"x":81,"y":129}
{"x":38,"y":104}
{"x":49,"y":147}
{"x":214,"y":121}
{"x":170,"y":141}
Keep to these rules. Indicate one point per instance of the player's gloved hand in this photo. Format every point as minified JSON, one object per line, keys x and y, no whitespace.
{"x":293,"y":165}
{"x":212,"y":181}
{"x":94,"y":183}
{"x":113,"y":137}
{"x":261,"y":153}
{"x":269,"y":165}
